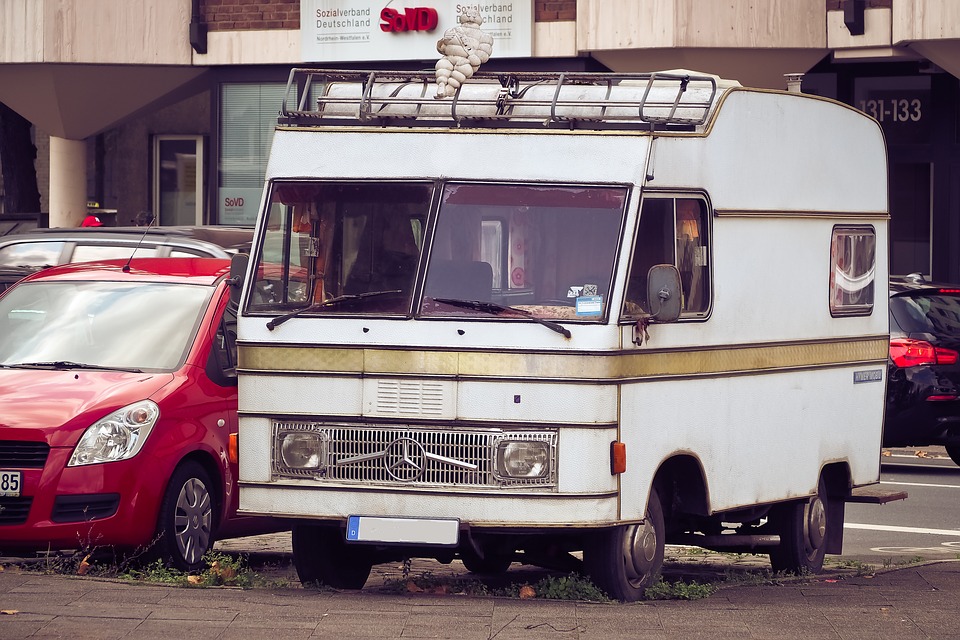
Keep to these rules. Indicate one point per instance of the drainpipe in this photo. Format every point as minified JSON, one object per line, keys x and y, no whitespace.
{"x":198,"y":30}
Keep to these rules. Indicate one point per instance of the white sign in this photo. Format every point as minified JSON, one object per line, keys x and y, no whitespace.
{"x":239,"y":206}
{"x":360,"y":30}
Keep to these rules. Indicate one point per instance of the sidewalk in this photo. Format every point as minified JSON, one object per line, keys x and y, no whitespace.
{"x":901,"y":604}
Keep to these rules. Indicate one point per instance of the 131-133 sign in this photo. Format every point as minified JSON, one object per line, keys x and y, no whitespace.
{"x":902,"y":106}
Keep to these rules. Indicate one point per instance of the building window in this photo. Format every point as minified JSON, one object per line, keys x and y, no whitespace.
{"x":248,"y":115}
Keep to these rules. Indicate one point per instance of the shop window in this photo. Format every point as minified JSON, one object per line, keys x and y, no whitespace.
{"x":248,"y":117}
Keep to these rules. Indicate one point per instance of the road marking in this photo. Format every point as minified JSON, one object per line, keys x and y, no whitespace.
{"x":884,"y":527}
{"x":923,"y":484}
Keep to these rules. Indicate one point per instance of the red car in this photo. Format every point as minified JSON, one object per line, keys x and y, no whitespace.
{"x":118,"y":406}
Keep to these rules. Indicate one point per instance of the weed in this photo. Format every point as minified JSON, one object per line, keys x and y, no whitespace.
{"x":569,"y":587}
{"x":662,"y":590}
{"x":220,"y":569}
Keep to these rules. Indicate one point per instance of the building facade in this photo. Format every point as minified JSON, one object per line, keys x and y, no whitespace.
{"x":167,"y":106}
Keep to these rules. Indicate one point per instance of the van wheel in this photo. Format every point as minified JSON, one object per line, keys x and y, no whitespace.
{"x":624,"y":561}
{"x":492,"y":562}
{"x":803,"y":534}
{"x":185,"y":526}
{"x":954,"y":452}
{"x":321,"y":556}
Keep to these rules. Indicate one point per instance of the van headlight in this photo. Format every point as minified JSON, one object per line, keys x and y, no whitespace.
{"x":118,"y":436}
{"x":523,"y":459}
{"x":302,"y":449}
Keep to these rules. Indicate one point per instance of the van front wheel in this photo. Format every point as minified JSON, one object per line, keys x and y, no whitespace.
{"x":321,"y":556}
{"x":624,"y":561}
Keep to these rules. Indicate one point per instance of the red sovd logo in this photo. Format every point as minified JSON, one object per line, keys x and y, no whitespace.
{"x":411,"y":19}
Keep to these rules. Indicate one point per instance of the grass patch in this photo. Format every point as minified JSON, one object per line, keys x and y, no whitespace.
{"x":219,"y":570}
{"x":663,"y":590}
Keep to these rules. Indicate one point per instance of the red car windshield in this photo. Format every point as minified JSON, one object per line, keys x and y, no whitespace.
{"x":115,"y":325}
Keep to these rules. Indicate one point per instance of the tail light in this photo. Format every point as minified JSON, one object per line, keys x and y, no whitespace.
{"x":906,"y":352}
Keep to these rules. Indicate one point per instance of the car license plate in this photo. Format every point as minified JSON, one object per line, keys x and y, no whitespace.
{"x":10,"y":484}
{"x":403,"y":530}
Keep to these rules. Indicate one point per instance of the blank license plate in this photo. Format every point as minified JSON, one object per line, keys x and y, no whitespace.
{"x":403,"y":530}
{"x":10,"y":484}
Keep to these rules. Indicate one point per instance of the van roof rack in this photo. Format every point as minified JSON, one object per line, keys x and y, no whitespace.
{"x":678,"y":101}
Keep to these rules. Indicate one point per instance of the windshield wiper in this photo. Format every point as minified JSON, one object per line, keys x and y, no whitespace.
{"x":67,"y":364}
{"x":493,"y":308}
{"x":279,"y":320}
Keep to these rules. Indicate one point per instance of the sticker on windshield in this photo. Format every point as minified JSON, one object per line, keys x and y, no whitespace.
{"x":589,"y":305}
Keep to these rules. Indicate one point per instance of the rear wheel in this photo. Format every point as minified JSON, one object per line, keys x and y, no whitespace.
{"x":954,"y":452}
{"x":321,"y":556}
{"x":803,"y":534}
{"x":624,"y":561}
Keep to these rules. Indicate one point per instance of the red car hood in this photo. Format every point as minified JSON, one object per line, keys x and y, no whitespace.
{"x":62,"y":404}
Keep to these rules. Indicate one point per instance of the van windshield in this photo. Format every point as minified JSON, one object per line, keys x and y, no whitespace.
{"x":368,"y":248}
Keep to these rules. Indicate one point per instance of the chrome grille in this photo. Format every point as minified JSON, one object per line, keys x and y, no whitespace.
{"x":462,"y":457}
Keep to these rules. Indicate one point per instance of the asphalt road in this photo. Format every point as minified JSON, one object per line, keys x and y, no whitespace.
{"x":926,"y":525}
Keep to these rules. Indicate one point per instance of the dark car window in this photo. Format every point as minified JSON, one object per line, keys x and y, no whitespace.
{"x":922,"y":313}
{"x":31,"y":254}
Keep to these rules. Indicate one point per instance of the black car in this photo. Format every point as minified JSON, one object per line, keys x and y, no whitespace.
{"x":923,"y":385}
{"x":24,"y":253}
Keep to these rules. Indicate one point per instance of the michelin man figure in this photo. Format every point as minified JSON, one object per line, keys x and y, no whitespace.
{"x":464,"y":48}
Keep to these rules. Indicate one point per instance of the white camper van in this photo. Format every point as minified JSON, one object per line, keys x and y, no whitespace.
{"x":563,"y":313}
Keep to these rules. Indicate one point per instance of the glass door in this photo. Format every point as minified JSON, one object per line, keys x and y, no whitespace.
{"x":178,"y":180}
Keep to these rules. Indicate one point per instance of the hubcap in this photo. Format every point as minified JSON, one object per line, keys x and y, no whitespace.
{"x":192,"y":521}
{"x":816,"y":524}
{"x":639,"y":551}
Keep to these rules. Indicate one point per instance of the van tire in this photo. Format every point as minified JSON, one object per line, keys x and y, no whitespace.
{"x":321,"y":557}
{"x":624,"y":561}
{"x":803,"y":528}
{"x":492,"y":563}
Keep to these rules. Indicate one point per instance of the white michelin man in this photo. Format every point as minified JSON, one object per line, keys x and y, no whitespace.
{"x":464,"y":48}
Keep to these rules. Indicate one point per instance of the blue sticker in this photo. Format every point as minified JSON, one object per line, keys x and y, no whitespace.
{"x":590,"y":305}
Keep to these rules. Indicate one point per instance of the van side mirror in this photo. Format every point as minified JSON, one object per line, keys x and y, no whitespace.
{"x":238,"y":271}
{"x":664,"y":292}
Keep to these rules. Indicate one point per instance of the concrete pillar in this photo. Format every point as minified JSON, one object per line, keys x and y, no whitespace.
{"x":68,"y":182}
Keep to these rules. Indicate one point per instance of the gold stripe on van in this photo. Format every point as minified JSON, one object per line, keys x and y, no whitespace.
{"x":557,"y":366}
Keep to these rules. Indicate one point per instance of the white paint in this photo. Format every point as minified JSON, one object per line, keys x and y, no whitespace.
{"x":895,"y":529}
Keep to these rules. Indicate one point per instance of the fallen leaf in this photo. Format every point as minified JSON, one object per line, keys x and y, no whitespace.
{"x":527,"y":592}
{"x":886,"y":453}
{"x":921,"y":454}
{"x":194,"y":579}
{"x":9,"y":612}
{"x":83,"y":568}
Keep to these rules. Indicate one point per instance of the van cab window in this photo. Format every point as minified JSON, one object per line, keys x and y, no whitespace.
{"x":671,"y":231}
{"x":509,"y":251}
